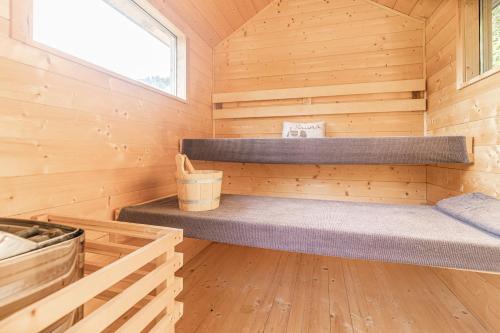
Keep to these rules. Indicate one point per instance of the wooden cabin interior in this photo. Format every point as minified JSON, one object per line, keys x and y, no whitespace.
{"x":83,"y":137}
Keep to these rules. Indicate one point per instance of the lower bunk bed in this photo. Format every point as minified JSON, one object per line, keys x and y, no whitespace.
{"x":461,"y":232}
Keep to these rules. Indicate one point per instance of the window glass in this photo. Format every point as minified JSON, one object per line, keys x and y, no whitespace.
{"x":479,"y":51}
{"x":97,"y":32}
{"x":495,"y":21}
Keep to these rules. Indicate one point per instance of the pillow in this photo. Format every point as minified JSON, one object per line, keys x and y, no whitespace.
{"x":304,"y":130}
{"x":476,"y":209}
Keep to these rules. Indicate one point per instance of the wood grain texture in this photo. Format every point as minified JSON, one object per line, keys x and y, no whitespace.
{"x":313,"y":60}
{"x":409,"y":105}
{"x":322,"y":91}
{"x":294,"y":43}
{"x":129,"y":276}
{"x":214,"y":20}
{"x":472,"y":110}
{"x":480,"y":293}
{"x":236,"y":289}
{"x":82,"y":142}
{"x":394,"y":184}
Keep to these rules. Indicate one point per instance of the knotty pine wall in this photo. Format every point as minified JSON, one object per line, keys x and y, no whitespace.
{"x":76,"y":141}
{"x":472,"y":111}
{"x":296,"y":43}
{"x":304,"y":43}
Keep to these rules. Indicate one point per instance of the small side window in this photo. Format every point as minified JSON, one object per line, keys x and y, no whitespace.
{"x":479,"y":40}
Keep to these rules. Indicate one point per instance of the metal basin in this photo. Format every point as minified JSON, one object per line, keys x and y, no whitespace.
{"x":35,"y":267}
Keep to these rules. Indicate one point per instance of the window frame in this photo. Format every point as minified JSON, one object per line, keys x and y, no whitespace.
{"x":22,"y":30}
{"x":464,"y":13}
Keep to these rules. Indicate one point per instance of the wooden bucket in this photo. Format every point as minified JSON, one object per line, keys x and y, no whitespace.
{"x":197,"y":190}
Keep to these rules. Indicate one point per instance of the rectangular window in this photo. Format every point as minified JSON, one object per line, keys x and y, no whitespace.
{"x":121,"y":36}
{"x":479,"y":48}
{"x":490,"y":34}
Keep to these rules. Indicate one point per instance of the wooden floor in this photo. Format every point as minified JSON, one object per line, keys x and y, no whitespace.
{"x":239,"y":289}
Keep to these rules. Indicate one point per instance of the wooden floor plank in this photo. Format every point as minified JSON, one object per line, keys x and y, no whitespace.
{"x":319,"y":303}
{"x":201,"y":301}
{"x":240,"y":289}
{"x":454,"y":315}
{"x":249,"y":301}
{"x":300,"y":313}
{"x":277,"y":320}
{"x":479,"y":292}
{"x":201,"y":264}
{"x":340,"y":309}
{"x":364,"y":290}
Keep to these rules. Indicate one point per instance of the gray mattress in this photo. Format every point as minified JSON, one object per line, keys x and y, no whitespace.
{"x":376,"y":150}
{"x":421,"y":235}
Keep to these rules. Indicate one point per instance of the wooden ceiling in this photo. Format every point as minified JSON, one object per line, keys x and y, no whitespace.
{"x":214,"y":20}
{"x":415,"y":8}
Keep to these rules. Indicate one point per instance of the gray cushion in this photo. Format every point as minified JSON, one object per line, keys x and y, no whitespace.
{"x":376,"y":150}
{"x":412,"y":234}
{"x":476,"y":209}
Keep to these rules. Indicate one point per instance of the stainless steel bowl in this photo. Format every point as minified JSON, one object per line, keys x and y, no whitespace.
{"x":34,"y":268}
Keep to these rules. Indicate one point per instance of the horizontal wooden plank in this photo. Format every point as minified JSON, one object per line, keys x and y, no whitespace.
{"x":361,"y":75}
{"x":325,"y":109}
{"x":384,"y":183}
{"x":117,"y":306}
{"x":97,"y":246}
{"x":329,"y":135}
{"x":335,"y":124}
{"x":349,"y":60}
{"x":308,"y":49}
{"x":246,"y":39}
{"x":326,"y":187}
{"x":167,"y":323}
{"x":321,"y":91}
{"x":41,"y":314}
{"x":119,"y":228}
{"x":369,"y":173}
{"x":144,"y":316}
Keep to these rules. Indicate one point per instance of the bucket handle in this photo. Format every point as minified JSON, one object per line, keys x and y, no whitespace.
{"x":182,"y":162}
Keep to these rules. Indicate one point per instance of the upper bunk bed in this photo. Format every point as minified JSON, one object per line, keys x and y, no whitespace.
{"x":373,"y":150}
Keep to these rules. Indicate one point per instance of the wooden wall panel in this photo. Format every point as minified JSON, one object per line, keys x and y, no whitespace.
{"x":74,"y":140}
{"x":473,"y":110}
{"x":346,"y":125}
{"x":296,"y":43}
{"x":388,"y":184}
{"x":307,"y":43}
